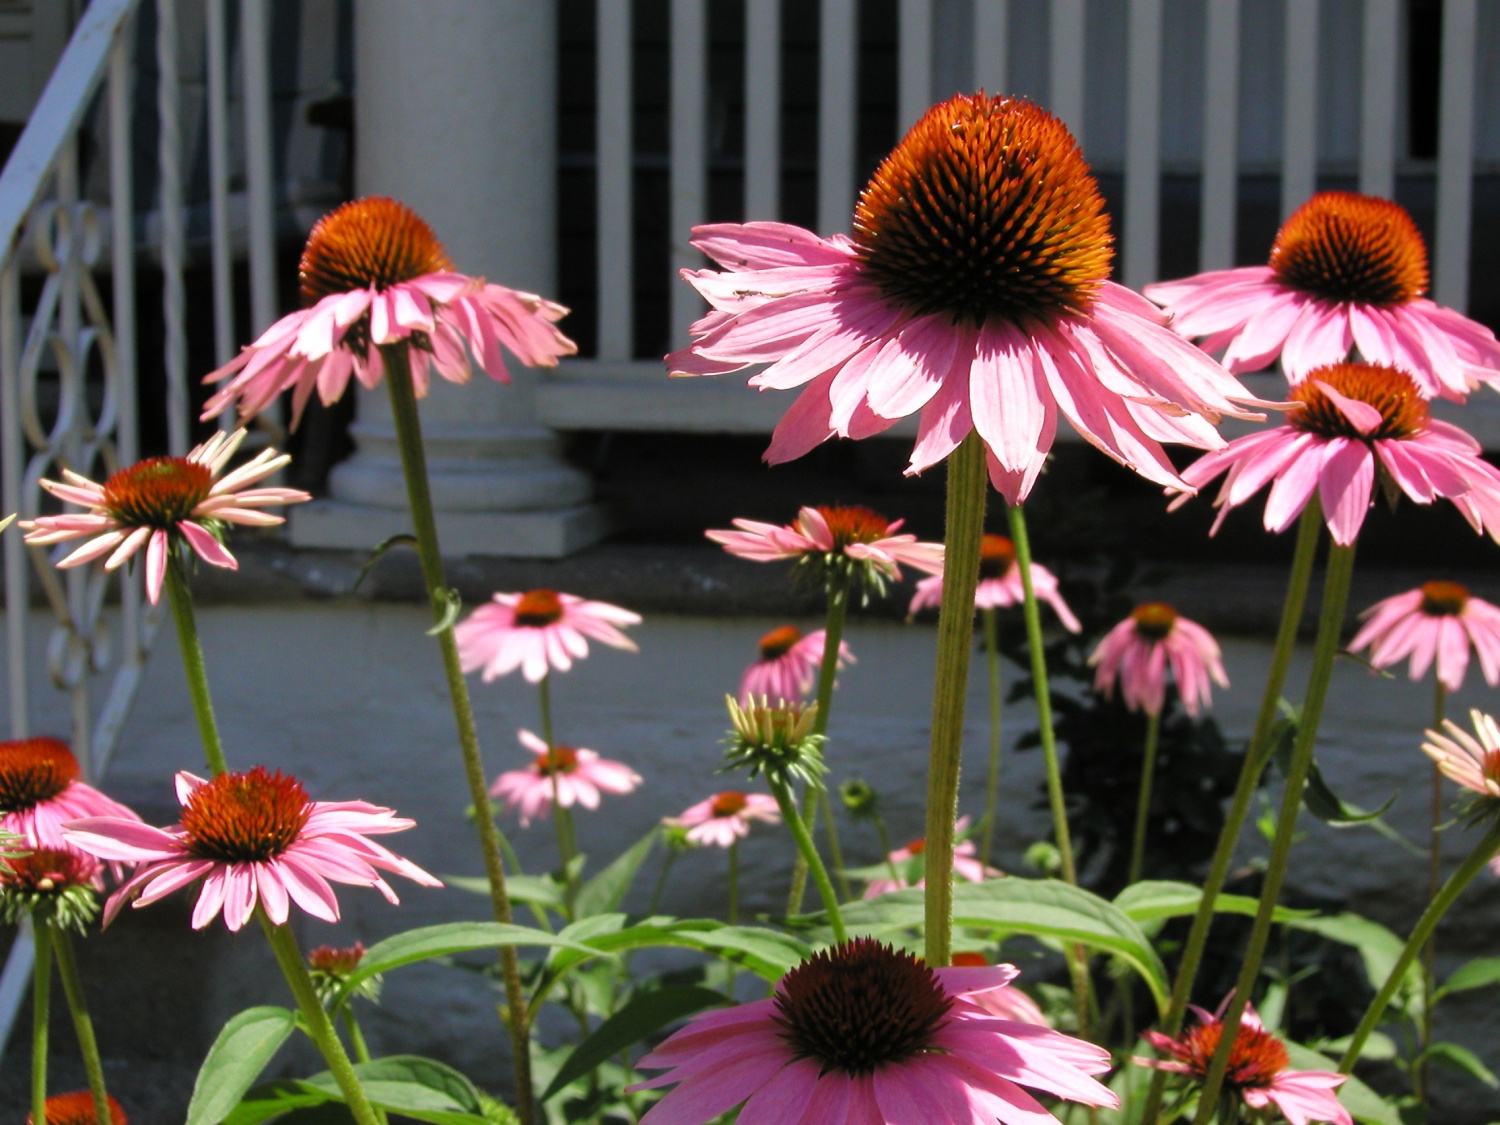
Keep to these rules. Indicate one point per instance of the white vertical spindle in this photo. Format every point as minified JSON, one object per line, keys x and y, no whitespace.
{"x":1065,"y":58}
{"x":122,"y":252}
{"x":218,"y":186}
{"x":914,"y":70}
{"x":1143,"y":142}
{"x":1221,"y":127}
{"x":169,"y":156}
{"x":837,"y":114}
{"x":1455,"y":183}
{"x":1377,"y":119}
{"x":12,"y":468}
{"x":762,"y":109}
{"x":1299,"y":105}
{"x":689,"y":156}
{"x":991,"y":45}
{"x":260,"y":161}
{"x":615,"y":182}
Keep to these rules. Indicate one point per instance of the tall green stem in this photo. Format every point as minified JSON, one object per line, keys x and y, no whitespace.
{"x":41,"y":996}
{"x":661,"y":882}
{"x":83,"y":1026}
{"x":798,"y":828}
{"x":414,"y":468}
{"x":734,"y":882}
{"x":567,"y":842}
{"x":1483,"y":852}
{"x":1330,"y":623}
{"x":1143,"y":801}
{"x":1434,"y":883}
{"x":965,"y":528}
{"x":885,"y":848}
{"x":192,"y":666}
{"x":992,"y":783}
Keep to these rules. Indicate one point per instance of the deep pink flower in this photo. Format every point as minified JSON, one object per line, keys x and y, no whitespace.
{"x":861,"y":1034}
{"x":857,"y":532}
{"x":965,"y":864}
{"x":1346,"y":270}
{"x":162,"y":502}
{"x":579,"y":776}
{"x":1000,"y":584}
{"x":788,"y":665}
{"x":1139,"y":650}
{"x":1359,"y":424}
{"x":252,"y":837}
{"x":975,"y":291}
{"x":40,"y":792}
{"x":1257,"y":1071}
{"x":725,"y":817}
{"x":373,"y":273}
{"x":1437,"y":620}
{"x":1007,"y":1003}
{"x":538,"y":630}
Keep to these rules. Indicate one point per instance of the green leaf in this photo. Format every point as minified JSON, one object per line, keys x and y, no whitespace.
{"x":1318,"y":797}
{"x":1478,"y":973}
{"x":424,"y":1089}
{"x":453,"y":604}
{"x":643,"y":1014}
{"x":767,"y":953}
{"x":1152,"y":901}
{"x":1377,"y":947}
{"x":235,"y":1061}
{"x":534,"y":890}
{"x":272,"y":1099}
{"x":404,"y":539}
{"x":1364,"y":1103}
{"x":1459,"y":1058}
{"x":606,"y":890}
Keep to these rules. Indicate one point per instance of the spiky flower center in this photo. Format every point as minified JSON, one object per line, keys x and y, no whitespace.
{"x":47,"y":871}
{"x":1404,"y":413}
{"x":368,"y":243}
{"x":78,"y":1109}
{"x":336,"y":961}
{"x":1255,"y":1060}
{"x":245,"y":817}
{"x":729,"y":803}
{"x":560,"y":759}
{"x":33,"y":770}
{"x":851,"y":523}
{"x":539,"y":608}
{"x":157,"y":492}
{"x":1444,"y":599}
{"x":996,"y":556}
{"x":779,"y":641}
{"x":986,"y":208}
{"x":1154,"y":620}
{"x":1352,"y":247}
{"x":860,"y":1006}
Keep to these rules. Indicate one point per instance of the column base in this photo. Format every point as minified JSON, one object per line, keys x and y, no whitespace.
{"x":522,"y":535}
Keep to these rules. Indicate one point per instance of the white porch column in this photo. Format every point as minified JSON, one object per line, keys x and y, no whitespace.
{"x":455,"y":112}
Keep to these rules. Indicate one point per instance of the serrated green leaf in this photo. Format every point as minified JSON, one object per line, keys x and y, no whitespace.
{"x":1478,"y":973}
{"x":238,"y":1055}
{"x":606,"y":890}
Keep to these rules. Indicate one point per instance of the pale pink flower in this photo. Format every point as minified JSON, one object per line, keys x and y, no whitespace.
{"x":253,"y":838}
{"x":999,"y":584}
{"x":1473,"y":761}
{"x":578,"y":775}
{"x":1138,"y":651}
{"x":162,"y":502}
{"x":1438,"y":620}
{"x":857,"y":532}
{"x":788,"y":665}
{"x":1007,"y":1003}
{"x":537,"y":631}
{"x":374,"y":274}
{"x":724,"y":818}
{"x":1346,"y":270}
{"x":40,"y":792}
{"x":1258,"y":1069}
{"x":862,"y":1034}
{"x":975,"y":292}
{"x":1359,"y":425}
{"x":966,"y":865}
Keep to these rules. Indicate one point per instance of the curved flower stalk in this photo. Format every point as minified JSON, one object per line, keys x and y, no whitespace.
{"x":536,"y":631}
{"x":862,"y":1034}
{"x":1346,"y":271}
{"x":564,"y":774}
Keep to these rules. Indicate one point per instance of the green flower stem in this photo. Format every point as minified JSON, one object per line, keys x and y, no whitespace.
{"x":414,"y":467}
{"x":1434,"y":884}
{"x":812,"y":797}
{"x":41,"y":994}
{"x":734,"y":882}
{"x":192,"y":666}
{"x":992,"y":783}
{"x":661,"y":882}
{"x":1143,"y":802}
{"x":1330,"y":623}
{"x":885,"y":847}
{"x":83,"y":1026}
{"x":1483,"y":852}
{"x":965,"y":527}
{"x":798,"y":828}
{"x":315,"y":1020}
{"x":567,"y":841}
{"x":1309,"y":531}
{"x":361,"y":1048}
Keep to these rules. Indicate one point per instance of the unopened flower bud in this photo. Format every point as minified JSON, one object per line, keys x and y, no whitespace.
{"x":330,"y":966}
{"x":776,"y":740}
{"x":860,"y":799}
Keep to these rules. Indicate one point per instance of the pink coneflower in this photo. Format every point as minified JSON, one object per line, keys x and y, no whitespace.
{"x":724,"y":818}
{"x":538,"y":630}
{"x":974,"y":290}
{"x":1139,"y":650}
{"x":1359,"y":425}
{"x":162,"y":502}
{"x":373,"y":273}
{"x":1007,"y":1003}
{"x":1438,"y":620}
{"x":862,"y":1034}
{"x":252,"y":837}
{"x":850,"y":530}
{"x":1257,"y":1072}
{"x":1473,"y":761}
{"x":999,"y":584}
{"x":788,"y":665}
{"x":40,"y":792}
{"x":1346,"y":270}
{"x":579,"y":776}
{"x":966,"y":865}
{"x":78,"y":1109}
